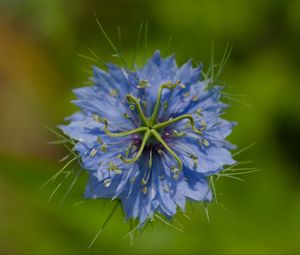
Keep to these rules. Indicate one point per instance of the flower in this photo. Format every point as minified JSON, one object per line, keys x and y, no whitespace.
{"x":150,"y":137}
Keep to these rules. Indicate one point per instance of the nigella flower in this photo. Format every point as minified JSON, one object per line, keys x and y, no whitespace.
{"x":150,"y":137}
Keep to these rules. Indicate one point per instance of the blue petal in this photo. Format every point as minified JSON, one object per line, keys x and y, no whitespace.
{"x":196,"y":187}
{"x":187,"y":74}
{"x":166,"y":202}
{"x":210,"y":160}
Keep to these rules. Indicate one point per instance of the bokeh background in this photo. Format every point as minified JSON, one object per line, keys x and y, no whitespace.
{"x":39,"y":65}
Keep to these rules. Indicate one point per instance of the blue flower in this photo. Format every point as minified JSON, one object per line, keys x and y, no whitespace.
{"x":151,"y":137}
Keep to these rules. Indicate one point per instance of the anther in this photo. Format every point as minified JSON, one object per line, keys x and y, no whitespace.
{"x":145,"y":189}
{"x":114,"y":92}
{"x":93,"y":152}
{"x":97,"y":118}
{"x":107,"y":182}
{"x":166,"y":188}
{"x":150,"y":159}
{"x":99,"y":140}
{"x":112,"y":167}
{"x":143,"y":84}
{"x":126,"y":115}
{"x":205,"y":142}
{"x":166,"y":105}
{"x":199,"y":112}
{"x":195,"y":98}
{"x":178,"y":133}
{"x":143,"y":181}
{"x":104,"y":147}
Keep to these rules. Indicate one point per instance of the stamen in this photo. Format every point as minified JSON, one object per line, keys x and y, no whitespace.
{"x":195,"y":159}
{"x":107,"y":182}
{"x":93,"y":152}
{"x":175,"y":172}
{"x":166,"y":188}
{"x":147,"y":173}
{"x":137,"y":130}
{"x":205,"y":142}
{"x":181,"y":85}
{"x":145,"y":189}
{"x":104,"y":147}
{"x":128,"y":149}
{"x":97,"y":118}
{"x":184,"y":116}
{"x":143,"y":181}
{"x":114,"y":92}
{"x":166,"y":105}
{"x":203,"y":125}
{"x":143,"y":84}
{"x":112,"y":167}
{"x":150,"y":159}
{"x":132,"y":180}
{"x":159,"y":138}
{"x":126,"y":115}
{"x":99,"y":140}
{"x":195,"y":98}
{"x":167,"y":85}
{"x":144,"y":104}
{"x":161,"y":177}
{"x":178,"y":133}
{"x":199,"y":112}
{"x":139,"y":153}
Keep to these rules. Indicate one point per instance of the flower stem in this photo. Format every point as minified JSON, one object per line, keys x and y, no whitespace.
{"x":140,"y":151}
{"x":184,"y":116}
{"x":159,"y":138}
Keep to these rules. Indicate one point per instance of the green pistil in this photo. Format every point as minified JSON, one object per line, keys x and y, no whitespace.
{"x":150,"y":127}
{"x":131,"y":99}
{"x":182,"y":117}
{"x":154,"y":115}
{"x":130,"y":132}
{"x":140,"y":151}
{"x":159,"y":138}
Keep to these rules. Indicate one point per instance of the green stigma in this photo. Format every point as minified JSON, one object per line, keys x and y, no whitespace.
{"x":150,"y":127}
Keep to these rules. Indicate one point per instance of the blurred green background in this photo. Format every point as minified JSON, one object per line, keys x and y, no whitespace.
{"x":39,"y":65}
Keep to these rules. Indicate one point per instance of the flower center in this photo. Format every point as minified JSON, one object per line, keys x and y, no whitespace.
{"x":150,"y":127}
